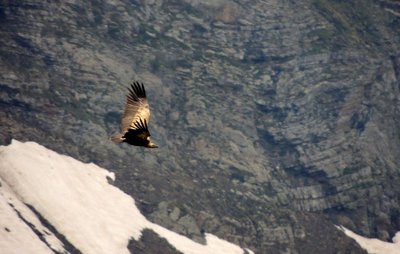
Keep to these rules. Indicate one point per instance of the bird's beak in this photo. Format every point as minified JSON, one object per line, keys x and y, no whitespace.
{"x":152,"y":145}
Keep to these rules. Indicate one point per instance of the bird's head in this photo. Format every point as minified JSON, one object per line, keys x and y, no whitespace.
{"x":150,"y":144}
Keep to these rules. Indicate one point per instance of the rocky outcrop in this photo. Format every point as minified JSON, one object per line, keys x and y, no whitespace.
{"x":150,"y":242}
{"x":263,"y":110}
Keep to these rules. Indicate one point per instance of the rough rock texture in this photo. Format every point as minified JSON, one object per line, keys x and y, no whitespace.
{"x":151,"y":243}
{"x":271,"y":116}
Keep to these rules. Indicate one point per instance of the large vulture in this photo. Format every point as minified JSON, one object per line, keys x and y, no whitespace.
{"x":134,"y":129}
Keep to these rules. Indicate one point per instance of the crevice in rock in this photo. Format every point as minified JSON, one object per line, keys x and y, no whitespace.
{"x":67,"y":245}
{"x":33,"y":228}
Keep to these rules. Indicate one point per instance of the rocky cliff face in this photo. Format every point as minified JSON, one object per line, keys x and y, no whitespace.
{"x":275,"y":119}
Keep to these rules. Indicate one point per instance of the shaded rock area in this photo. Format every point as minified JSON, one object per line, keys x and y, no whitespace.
{"x":262,"y":110}
{"x":151,"y":243}
{"x":325,"y":237}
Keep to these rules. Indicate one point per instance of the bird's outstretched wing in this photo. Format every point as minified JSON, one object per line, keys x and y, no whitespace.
{"x":136,"y":107}
{"x":138,"y":132}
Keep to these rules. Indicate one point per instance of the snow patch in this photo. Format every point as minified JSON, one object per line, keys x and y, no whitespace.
{"x":373,"y":245}
{"x":78,"y":201}
{"x":15,"y":235}
{"x":396,"y":238}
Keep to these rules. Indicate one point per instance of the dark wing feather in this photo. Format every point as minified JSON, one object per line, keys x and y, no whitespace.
{"x":136,"y":106}
{"x":138,"y":133}
{"x":138,"y":89}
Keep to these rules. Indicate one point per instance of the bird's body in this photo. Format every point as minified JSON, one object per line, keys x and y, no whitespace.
{"x":134,"y":129}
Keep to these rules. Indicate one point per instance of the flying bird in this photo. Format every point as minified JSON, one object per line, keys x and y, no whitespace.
{"x":134,"y":129}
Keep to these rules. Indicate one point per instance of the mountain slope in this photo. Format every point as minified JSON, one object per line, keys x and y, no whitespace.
{"x":77,"y":200}
{"x":274,"y":118}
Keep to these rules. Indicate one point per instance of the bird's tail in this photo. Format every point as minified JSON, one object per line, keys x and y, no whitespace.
{"x":117,"y":138}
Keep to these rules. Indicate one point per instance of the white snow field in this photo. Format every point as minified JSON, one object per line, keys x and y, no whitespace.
{"x":74,"y":197}
{"x":373,"y":245}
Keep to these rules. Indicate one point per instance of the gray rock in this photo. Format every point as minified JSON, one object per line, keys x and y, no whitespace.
{"x":275,"y":119}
